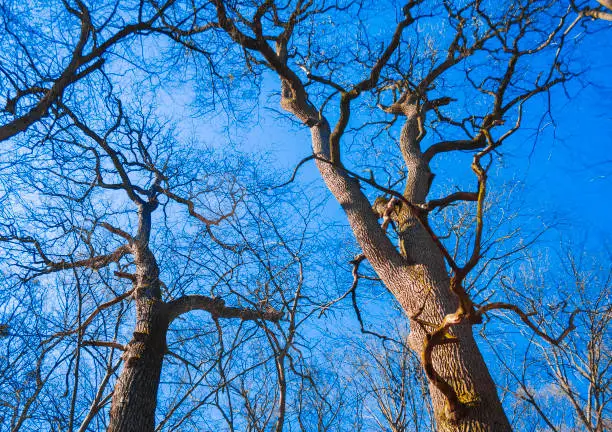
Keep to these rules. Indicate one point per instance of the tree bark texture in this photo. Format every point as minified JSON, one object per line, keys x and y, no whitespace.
{"x":135,"y":394}
{"x":418,"y":278}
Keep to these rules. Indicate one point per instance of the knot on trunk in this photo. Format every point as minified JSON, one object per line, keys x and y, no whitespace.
{"x":400,"y":213}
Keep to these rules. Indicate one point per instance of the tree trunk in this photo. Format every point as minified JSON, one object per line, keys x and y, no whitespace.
{"x":135,"y":395}
{"x":461,"y":365}
{"x":421,"y":285}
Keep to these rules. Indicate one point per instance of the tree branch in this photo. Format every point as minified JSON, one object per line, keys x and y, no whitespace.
{"x":525,"y":317}
{"x":108,"y":344}
{"x":91,"y":317}
{"x":218,"y":309}
{"x":475,"y":143}
{"x":448,"y":200}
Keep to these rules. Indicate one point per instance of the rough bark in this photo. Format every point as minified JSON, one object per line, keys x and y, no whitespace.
{"x":420,"y":282}
{"x":135,"y":394}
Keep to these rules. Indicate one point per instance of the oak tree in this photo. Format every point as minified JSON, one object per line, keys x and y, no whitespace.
{"x":458,"y":77}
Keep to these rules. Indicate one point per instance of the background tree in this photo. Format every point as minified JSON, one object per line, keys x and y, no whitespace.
{"x":118,"y":200}
{"x":45,"y":62}
{"x":564,"y":386}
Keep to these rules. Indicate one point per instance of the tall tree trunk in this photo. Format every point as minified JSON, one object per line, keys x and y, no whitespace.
{"x":135,"y":395}
{"x":461,"y":365}
{"x":420,"y":282}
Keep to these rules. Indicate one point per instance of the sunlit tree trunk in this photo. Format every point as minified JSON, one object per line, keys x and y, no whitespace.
{"x":418,"y":278}
{"x":135,"y":394}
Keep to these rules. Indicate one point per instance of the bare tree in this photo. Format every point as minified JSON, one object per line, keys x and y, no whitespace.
{"x":98,"y":191}
{"x":565,"y":386}
{"x":44,"y":64}
{"x":395,"y":389}
{"x":458,"y":76}
{"x":119,"y":201}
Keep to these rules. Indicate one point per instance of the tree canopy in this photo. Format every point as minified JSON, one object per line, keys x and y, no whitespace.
{"x":172,"y":260}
